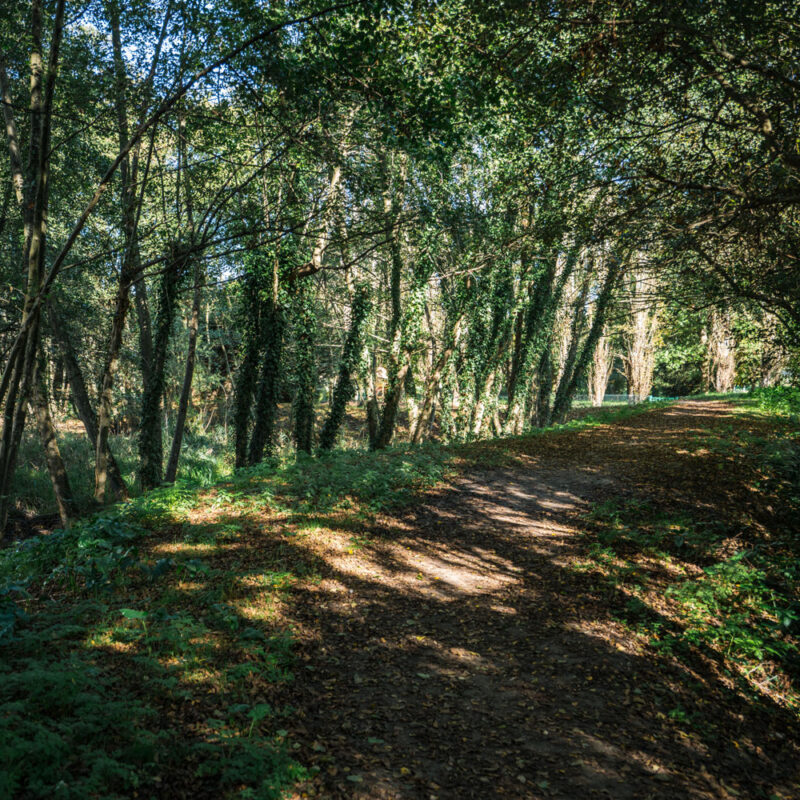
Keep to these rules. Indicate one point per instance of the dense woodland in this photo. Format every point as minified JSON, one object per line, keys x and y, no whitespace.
{"x":307,"y":312}
{"x":247,"y":217}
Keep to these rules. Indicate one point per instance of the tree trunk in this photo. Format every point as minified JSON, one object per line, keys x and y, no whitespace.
{"x":151,"y":452}
{"x":599,"y":370}
{"x":32,"y":198}
{"x":398,"y":360}
{"x":345,"y":387}
{"x":567,"y":389}
{"x":639,"y":341}
{"x":432,"y":386}
{"x":67,"y":508}
{"x":261,"y":440}
{"x":145,"y":329}
{"x":722,"y":353}
{"x":186,"y":389}
{"x":305,"y":367}
{"x":83,"y":404}
{"x":129,"y":267}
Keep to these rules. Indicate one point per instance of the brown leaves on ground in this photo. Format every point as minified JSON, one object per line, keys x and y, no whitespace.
{"x":461,"y":655}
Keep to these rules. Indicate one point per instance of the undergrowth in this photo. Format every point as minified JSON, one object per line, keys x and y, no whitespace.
{"x":700,"y":585}
{"x":144,"y":648}
{"x":780,"y":399}
{"x":203,"y":461}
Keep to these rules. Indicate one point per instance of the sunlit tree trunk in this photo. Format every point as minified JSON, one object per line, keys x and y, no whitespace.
{"x":639,"y":338}
{"x":599,"y":370}
{"x":721,"y":352}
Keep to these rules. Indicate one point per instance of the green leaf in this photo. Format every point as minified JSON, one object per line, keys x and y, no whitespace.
{"x":259,"y":711}
{"x":132,"y":613}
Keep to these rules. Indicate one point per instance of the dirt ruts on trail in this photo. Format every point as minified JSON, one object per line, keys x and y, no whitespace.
{"x":459,"y":654}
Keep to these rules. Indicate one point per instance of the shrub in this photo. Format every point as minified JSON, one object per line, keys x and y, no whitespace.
{"x":781,"y":399}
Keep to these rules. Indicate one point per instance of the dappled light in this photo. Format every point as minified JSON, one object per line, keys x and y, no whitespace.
{"x":537,"y":627}
{"x":399,"y":400}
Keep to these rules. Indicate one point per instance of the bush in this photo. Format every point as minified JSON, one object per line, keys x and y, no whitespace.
{"x":780,"y":399}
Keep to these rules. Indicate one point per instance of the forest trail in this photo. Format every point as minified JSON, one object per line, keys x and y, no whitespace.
{"x":460,"y":651}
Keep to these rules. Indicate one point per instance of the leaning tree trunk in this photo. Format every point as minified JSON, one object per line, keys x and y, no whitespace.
{"x":599,"y":370}
{"x":194,"y":319}
{"x":540,"y":315}
{"x":67,"y":508}
{"x":344,"y":390}
{"x":567,"y":389}
{"x":32,"y":193}
{"x":80,"y":397}
{"x":150,"y":442}
{"x":186,"y":390}
{"x":432,"y":384}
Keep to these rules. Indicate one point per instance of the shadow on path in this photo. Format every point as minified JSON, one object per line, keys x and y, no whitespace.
{"x":461,"y":655}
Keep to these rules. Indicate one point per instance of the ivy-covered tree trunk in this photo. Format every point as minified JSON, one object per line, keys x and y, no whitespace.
{"x":269,"y":382}
{"x":569,"y":350}
{"x":145,"y":328}
{"x":345,"y":387}
{"x":535,"y":336}
{"x":542,"y":404}
{"x":398,"y":361}
{"x":151,"y":455}
{"x":566,"y":391}
{"x":433,"y":383}
{"x":305,"y":367}
{"x":247,"y":374}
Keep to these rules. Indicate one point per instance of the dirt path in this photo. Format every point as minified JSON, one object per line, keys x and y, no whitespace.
{"x":460,"y":655}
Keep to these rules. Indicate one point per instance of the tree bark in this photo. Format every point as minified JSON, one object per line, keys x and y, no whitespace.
{"x":32,"y":198}
{"x":83,"y":403}
{"x":186,"y":389}
{"x":67,"y":508}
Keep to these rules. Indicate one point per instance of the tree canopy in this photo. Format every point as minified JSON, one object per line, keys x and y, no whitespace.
{"x":245,"y":216}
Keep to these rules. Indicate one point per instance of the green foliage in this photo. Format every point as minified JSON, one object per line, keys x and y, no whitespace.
{"x":781,"y":399}
{"x":73,"y":722}
{"x":203,"y":461}
{"x":345,"y":385}
{"x":753,"y":614}
{"x":66,"y":732}
{"x":745,"y":607}
{"x":339,"y":478}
